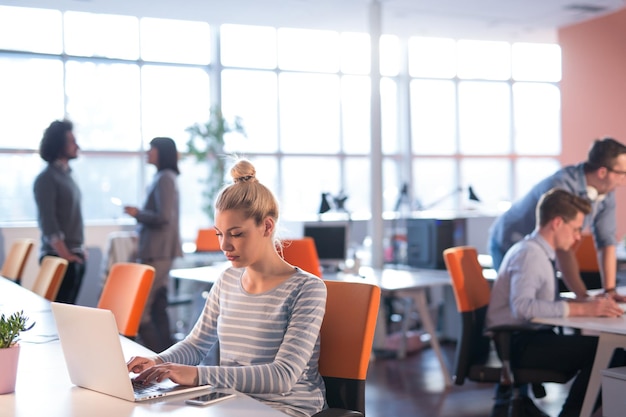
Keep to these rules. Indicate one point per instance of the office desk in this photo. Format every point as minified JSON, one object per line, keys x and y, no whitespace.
{"x":43,"y":387}
{"x":408,"y":285}
{"x":612,"y":335}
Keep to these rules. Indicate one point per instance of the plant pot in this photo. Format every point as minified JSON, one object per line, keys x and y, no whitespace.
{"x":8,"y":364}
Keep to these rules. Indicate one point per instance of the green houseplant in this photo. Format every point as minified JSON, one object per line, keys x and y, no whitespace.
{"x":10,"y":329}
{"x":206,"y":145}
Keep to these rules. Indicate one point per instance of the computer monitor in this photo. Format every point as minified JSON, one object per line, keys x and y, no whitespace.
{"x":331,"y":242}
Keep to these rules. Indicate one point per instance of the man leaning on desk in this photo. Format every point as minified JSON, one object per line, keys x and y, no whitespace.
{"x":527,"y":288}
{"x":595,"y":179}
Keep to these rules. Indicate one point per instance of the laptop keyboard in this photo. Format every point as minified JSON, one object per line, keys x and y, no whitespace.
{"x":143,"y":388}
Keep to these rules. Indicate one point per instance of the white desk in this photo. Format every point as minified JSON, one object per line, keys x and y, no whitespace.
{"x":409,"y":285}
{"x":612,"y":335}
{"x":43,"y":387}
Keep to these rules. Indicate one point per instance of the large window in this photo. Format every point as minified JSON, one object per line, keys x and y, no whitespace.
{"x":455,"y":113}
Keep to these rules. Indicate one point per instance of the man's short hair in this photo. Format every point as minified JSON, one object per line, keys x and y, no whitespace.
{"x":560,"y":203}
{"x":603,"y":153}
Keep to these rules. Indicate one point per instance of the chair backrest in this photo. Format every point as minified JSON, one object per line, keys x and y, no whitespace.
{"x":50,"y":276}
{"x":586,"y":254}
{"x":471,"y":292}
{"x":125,"y":293}
{"x":303,"y":254}
{"x":15,"y":261}
{"x":347,"y":336}
{"x":207,"y":241}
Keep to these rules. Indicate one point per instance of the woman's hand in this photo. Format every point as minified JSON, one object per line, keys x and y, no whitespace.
{"x":138,"y":364}
{"x":131,"y":210}
{"x":180,"y":374}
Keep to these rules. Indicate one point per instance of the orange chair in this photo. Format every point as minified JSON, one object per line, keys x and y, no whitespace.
{"x":50,"y":277}
{"x":347,"y":336}
{"x":303,"y":254}
{"x":473,"y":360}
{"x":587,"y":258}
{"x":15,"y":261}
{"x":125,"y":293}
{"x":207,"y":241}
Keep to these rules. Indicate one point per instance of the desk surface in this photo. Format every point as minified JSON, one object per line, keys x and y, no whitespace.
{"x":387,"y":279}
{"x":43,"y":387}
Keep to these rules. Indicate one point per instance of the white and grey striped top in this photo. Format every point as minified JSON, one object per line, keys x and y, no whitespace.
{"x":269,"y":343}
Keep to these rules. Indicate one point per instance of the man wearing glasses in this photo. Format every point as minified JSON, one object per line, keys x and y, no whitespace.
{"x":594,"y":179}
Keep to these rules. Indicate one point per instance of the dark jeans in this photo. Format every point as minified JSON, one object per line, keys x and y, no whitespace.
{"x":72,"y":280}
{"x":570,"y":354}
{"x":155,"y":334}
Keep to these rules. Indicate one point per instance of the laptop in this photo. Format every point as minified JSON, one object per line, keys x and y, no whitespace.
{"x":94,"y":357}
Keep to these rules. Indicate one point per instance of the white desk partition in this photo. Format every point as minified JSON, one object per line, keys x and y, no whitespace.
{"x":43,"y":387}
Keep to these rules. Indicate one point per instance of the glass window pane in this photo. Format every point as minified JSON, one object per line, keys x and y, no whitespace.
{"x":484,"y":118}
{"x":17,"y":202}
{"x":390,"y":55}
{"x":102,"y":177}
{"x":259,"y":111}
{"x":489,"y":178}
{"x":487,"y":60}
{"x":432,"y":57}
{"x":433,"y":117}
{"x":303,"y":180}
{"x":102,"y":120}
{"x":309,"y":113}
{"x":389,"y":116}
{"x":358,"y":185}
{"x":355,"y":53}
{"x":529,"y":171}
{"x":248,"y":46}
{"x":32,"y":94}
{"x":308,"y":50}
{"x":536,"y":62}
{"x":33,"y":30}
{"x":173,"y":98}
{"x":537,"y":118}
{"x":392,"y":184}
{"x":90,"y":34}
{"x":435,"y":195}
{"x":180,"y":41}
{"x":355,"y":105}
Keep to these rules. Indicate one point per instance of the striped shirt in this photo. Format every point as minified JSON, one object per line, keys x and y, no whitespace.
{"x":269,"y":343}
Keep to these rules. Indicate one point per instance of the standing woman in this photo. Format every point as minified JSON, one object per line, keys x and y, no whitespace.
{"x":263,"y":313}
{"x":159,"y":240}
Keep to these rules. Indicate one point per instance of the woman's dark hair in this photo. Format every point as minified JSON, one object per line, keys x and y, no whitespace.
{"x":168,"y":155}
{"x":54,"y":140}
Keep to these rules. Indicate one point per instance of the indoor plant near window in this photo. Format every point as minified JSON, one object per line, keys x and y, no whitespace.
{"x":206,"y":144}
{"x":10,"y":329}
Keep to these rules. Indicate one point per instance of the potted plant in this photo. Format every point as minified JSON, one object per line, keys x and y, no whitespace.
{"x":206,"y":144}
{"x":10,"y":329}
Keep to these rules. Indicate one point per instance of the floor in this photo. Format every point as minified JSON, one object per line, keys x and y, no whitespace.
{"x":414,"y":387}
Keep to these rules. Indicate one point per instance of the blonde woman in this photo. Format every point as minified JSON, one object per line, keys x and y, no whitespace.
{"x":263,"y":313}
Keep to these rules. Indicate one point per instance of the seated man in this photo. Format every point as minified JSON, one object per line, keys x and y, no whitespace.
{"x":527,"y":287}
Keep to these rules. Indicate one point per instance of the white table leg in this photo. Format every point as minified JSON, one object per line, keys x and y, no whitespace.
{"x":607,"y":343}
{"x":427,"y":322}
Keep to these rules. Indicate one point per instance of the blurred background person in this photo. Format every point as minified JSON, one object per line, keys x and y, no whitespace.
{"x":159,"y":240}
{"x":58,"y":200}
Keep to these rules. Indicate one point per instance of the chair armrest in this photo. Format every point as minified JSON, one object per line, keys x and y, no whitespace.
{"x":337,"y":412}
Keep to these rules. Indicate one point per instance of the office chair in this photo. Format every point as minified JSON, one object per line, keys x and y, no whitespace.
{"x":347,"y":335}
{"x":15,"y":261}
{"x":50,"y":276}
{"x":125,"y":293}
{"x":207,"y":241}
{"x":474,"y":357}
{"x":587,"y":258}
{"x":303,"y":254}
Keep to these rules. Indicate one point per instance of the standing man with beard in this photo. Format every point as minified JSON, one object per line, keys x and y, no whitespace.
{"x":58,"y":201}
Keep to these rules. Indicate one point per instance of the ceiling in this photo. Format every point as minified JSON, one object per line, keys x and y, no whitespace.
{"x":512,"y":20}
